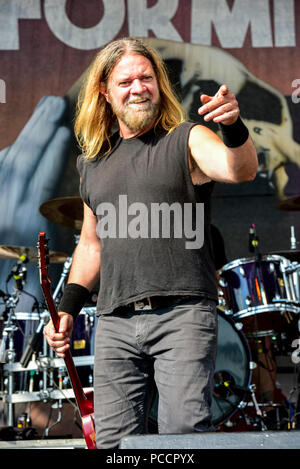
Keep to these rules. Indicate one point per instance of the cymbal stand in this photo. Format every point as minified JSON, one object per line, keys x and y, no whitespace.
{"x":57,"y":405}
{"x":8,"y":355}
{"x":66,"y":269}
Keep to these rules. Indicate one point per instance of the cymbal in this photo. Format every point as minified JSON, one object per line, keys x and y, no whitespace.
{"x":66,"y":211}
{"x":14,"y":253}
{"x":292,"y":204}
{"x":292,"y":255}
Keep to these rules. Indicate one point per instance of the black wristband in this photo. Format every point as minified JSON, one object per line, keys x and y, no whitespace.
{"x":236,"y":134}
{"x":73,"y":299}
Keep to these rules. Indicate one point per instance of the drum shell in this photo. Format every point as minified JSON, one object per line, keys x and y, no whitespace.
{"x":82,"y":343}
{"x":234,"y":358}
{"x":257,"y":294}
{"x":27,"y":324}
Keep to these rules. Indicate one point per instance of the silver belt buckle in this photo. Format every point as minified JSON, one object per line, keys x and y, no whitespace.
{"x":142,"y":304}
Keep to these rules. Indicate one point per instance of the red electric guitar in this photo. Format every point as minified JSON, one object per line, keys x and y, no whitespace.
{"x":84,"y":401}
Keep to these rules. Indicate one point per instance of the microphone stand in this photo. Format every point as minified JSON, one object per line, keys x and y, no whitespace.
{"x":258,"y":284}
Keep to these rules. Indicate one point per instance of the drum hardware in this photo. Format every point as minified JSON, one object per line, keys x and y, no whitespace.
{"x":66,"y":269}
{"x":8,"y":354}
{"x":57,"y":404}
{"x":19,"y":272}
{"x":291,"y":255}
{"x":44,"y":363}
{"x":239,"y":326}
{"x":29,"y":253}
{"x":33,"y":345}
{"x":258,"y":412}
{"x":48,"y":381}
{"x":248,"y":301}
{"x":24,"y":419}
{"x":293,"y":239}
{"x":261,"y":295}
{"x":247,"y":413}
{"x":225,"y":387}
{"x":287,"y":269}
{"x":291,"y":271}
{"x":260,"y":301}
{"x":234,"y":366}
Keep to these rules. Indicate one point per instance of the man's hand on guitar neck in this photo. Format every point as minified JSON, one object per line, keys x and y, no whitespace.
{"x":60,"y":341}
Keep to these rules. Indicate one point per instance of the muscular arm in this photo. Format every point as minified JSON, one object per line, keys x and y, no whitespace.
{"x":218,"y":162}
{"x":211,"y":156}
{"x":86,"y":260}
{"x":84,"y":271}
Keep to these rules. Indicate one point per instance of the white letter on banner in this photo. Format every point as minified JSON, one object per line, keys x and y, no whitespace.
{"x":157,"y":18}
{"x":10,"y":12}
{"x":85,"y":38}
{"x":2,"y":91}
{"x":296,"y":93}
{"x":231,"y":26}
{"x":284,"y":22}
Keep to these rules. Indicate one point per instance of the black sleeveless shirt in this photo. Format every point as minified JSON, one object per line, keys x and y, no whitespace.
{"x":153,"y":223}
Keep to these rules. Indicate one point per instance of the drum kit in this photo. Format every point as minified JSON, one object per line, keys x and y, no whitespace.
{"x":259,"y":304}
{"x":258,"y":311}
{"x":30,"y":371}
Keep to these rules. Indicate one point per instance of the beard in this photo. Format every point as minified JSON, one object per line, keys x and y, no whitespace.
{"x":136,"y":119}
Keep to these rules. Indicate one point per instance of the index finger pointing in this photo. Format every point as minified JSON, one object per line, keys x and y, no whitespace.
{"x":223,"y":90}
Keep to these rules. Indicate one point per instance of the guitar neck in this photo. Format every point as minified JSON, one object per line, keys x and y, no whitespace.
{"x":73,"y":375}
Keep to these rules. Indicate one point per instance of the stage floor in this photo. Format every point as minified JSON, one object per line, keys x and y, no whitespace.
{"x":57,"y":443}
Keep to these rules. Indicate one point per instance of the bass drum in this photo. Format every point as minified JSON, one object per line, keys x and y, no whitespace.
{"x":232,"y":376}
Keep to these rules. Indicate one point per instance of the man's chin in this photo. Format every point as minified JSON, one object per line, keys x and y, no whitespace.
{"x":139,"y":121}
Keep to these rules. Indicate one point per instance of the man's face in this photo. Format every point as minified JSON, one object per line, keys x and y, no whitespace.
{"x":132,"y":91}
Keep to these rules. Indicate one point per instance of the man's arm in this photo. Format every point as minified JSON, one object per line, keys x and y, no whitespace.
{"x":85,"y":272}
{"x":212,"y":157}
{"x":85,"y":267}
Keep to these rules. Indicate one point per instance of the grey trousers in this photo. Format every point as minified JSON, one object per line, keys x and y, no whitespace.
{"x":177,"y":347}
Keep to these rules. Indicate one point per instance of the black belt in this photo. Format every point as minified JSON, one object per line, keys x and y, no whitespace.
{"x":153,"y":302}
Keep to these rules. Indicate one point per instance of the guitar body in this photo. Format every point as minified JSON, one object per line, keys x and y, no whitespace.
{"x":88,"y":424}
{"x":84,"y":400}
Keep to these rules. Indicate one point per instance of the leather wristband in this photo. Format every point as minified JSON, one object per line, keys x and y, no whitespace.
{"x":73,"y":299}
{"x":234,"y":135}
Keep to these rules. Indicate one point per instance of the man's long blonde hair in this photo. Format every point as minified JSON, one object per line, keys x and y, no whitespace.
{"x":94,"y":116}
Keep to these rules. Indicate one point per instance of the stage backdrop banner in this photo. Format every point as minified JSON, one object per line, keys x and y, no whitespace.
{"x":46,"y":47}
